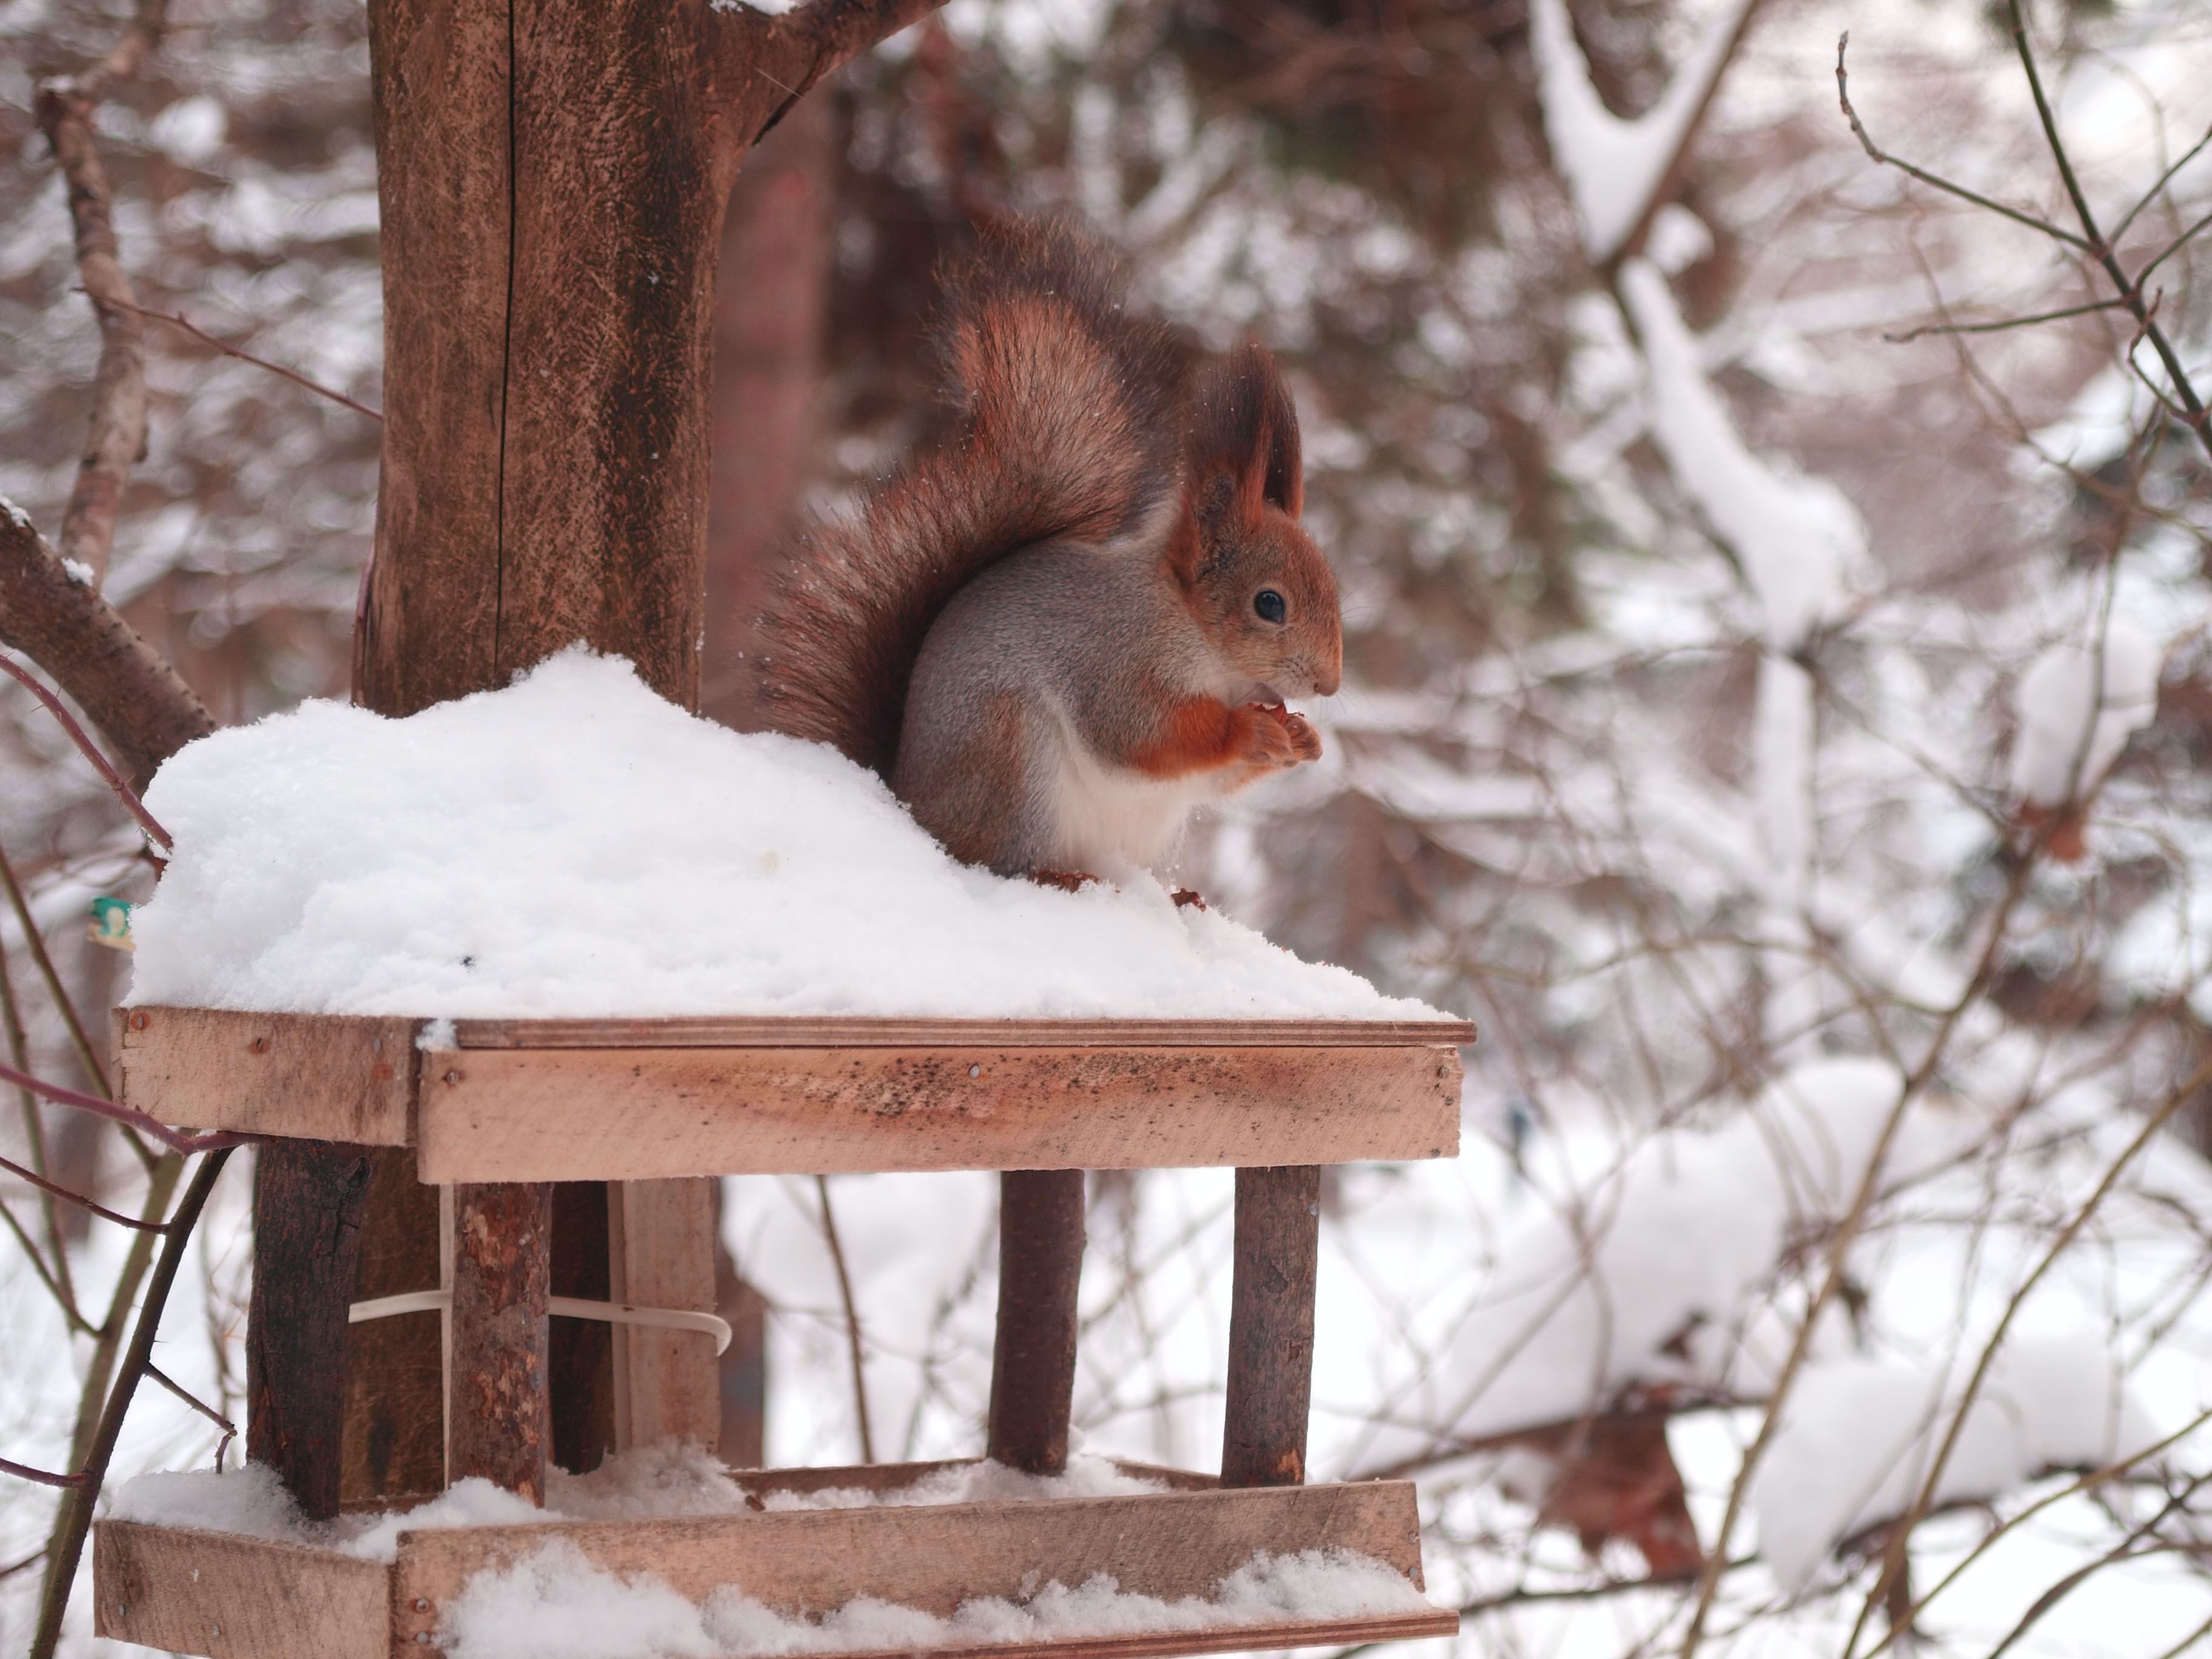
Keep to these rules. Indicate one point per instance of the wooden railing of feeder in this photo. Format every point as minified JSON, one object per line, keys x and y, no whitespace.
{"x":501,"y":1109}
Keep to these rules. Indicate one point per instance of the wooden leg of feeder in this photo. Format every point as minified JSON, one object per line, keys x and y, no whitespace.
{"x":662,"y":1239}
{"x":1033,"y":1364}
{"x":1271,"y":1327}
{"x":308,"y":1199}
{"x":497,"y":1421}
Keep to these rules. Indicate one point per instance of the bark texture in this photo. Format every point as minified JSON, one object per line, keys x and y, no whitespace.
{"x":140,"y":703}
{"x":771,"y":305}
{"x":499,"y":1425}
{"x":552,"y":177}
{"x":308,"y":1199}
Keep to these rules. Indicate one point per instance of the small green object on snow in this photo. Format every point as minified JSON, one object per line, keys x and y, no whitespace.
{"x":110,"y":924}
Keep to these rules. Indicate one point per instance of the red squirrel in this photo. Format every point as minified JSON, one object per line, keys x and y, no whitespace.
{"x":1075,"y":622}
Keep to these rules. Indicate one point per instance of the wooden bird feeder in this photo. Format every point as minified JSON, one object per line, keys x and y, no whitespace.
{"x":494,"y":1109}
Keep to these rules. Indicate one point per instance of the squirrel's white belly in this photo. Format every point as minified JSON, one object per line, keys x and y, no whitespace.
{"x":1106,"y":816}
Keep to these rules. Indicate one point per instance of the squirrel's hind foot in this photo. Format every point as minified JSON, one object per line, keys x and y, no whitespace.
{"x":1068,"y":881}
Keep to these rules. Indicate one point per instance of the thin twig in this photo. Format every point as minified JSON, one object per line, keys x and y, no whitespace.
{"x":2003,"y":323}
{"x":852,"y":1320}
{"x":1893,"y":1556}
{"x":44,"y":1477}
{"x":2130,"y":291}
{"x":124,"y":793}
{"x":229,"y":1429}
{"x":2164,"y":178}
{"x":86,"y":1055}
{"x":78,"y":1199}
{"x":39,"y":1265}
{"x":34,"y":1128}
{"x":75,"y":1522}
{"x":2172,"y":248}
{"x":176,"y":319}
{"x":1883,"y":157}
{"x":175,"y":1140}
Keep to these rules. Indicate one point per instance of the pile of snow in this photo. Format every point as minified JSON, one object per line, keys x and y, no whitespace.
{"x":1611,"y":167}
{"x":252,"y":1503}
{"x":1643,"y":1276}
{"x":555,"y":1604}
{"x":575,"y":845}
{"x":2078,"y":705}
{"x":1858,"y":1436}
{"x":983,"y":1482}
{"x":670,"y":1482}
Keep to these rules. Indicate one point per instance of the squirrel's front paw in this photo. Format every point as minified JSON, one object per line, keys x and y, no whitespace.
{"x":1276,"y":738}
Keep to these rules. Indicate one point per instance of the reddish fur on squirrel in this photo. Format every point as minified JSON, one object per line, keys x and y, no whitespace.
{"x":1076,"y":620}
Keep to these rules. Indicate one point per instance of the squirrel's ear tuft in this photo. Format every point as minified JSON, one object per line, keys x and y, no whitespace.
{"x":1244,"y":429}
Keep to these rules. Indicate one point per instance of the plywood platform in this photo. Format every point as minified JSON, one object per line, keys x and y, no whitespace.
{"x":600,"y":1099}
{"x":235,"y":1598}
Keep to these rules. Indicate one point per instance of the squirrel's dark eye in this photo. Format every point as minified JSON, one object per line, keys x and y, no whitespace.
{"x":1269,"y":604}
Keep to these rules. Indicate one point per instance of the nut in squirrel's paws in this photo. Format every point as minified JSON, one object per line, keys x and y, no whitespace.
{"x":1277,"y":738}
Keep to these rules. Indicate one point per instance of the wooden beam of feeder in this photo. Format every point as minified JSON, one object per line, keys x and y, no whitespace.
{"x":1033,"y":1358}
{"x":308,"y":1199}
{"x":497,"y":1417}
{"x":1271,"y":1327}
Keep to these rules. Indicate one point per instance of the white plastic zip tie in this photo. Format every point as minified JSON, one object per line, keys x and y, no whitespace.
{"x":569,"y":1307}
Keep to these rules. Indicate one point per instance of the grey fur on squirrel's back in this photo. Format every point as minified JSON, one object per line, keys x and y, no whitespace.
{"x":1067,"y":431}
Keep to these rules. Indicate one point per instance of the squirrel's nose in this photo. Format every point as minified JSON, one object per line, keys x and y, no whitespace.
{"x":1326,"y":678}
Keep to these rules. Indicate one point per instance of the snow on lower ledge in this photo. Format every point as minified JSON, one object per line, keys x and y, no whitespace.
{"x":575,"y":845}
{"x":556,"y":1604}
{"x":666,"y":1482}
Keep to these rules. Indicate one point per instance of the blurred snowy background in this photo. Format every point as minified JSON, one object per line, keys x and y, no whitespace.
{"x":1779,"y":711}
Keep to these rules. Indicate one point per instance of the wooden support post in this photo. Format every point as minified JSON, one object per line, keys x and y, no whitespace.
{"x":1271,"y":1326}
{"x":580,"y":1353}
{"x":662,"y":1234}
{"x":395,"y":1379}
{"x":308,"y":1199}
{"x":1033,"y":1361}
{"x":497,"y":1421}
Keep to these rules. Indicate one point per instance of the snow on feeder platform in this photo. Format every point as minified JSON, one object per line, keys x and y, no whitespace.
{"x":565,"y":932}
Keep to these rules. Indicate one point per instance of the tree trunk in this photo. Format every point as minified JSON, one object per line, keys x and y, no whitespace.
{"x":771,"y":305}
{"x":552,"y":176}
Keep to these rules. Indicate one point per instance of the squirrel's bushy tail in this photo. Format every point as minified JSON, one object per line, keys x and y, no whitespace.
{"x":1067,"y":427}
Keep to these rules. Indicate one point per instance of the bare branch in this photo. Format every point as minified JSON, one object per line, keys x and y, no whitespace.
{"x":1866,"y":143}
{"x":2002,"y":323}
{"x":176,"y":1140}
{"x":44,"y":1477}
{"x":116,"y":438}
{"x":229,"y":1429}
{"x":88,"y":1056}
{"x":2196,"y":417}
{"x":856,"y":1352}
{"x":2172,"y":248}
{"x":78,"y":1199}
{"x":176,"y":319}
{"x":136,"y":699}
{"x":90,"y":751}
{"x":75,"y":1520}
{"x":2164,"y":178}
